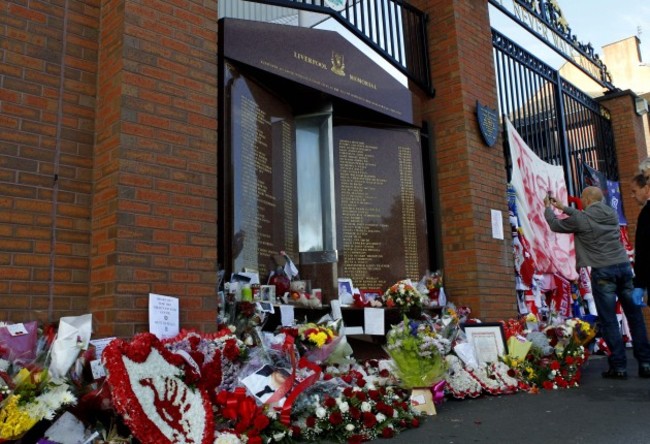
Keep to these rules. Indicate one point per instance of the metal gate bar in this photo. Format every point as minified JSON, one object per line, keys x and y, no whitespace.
{"x":560,"y":123}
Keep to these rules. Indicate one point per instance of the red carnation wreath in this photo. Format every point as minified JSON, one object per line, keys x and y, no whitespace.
{"x":149,"y":391}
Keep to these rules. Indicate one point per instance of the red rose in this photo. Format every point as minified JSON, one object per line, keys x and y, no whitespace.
{"x":569,"y":360}
{"x":347,"y":378}
{"x":369,"y":420}
{"x":548,"y":385}
{"x":336,"y":418}
{"x":329,"y":402}
{"x":230,"y":350}
{"x":555,"y":365}
{"x":387,"y":432}
{"x":295,"y":431}
{"x":415,"y":423}
{"x":311,"y":421}
{"x":384,"y":373}
{"x":374,"y":394}
{"x":254,"y":440}
{"x":361,"y":382}
{"x":355,"y":413}
{"x":347,"y":392}
{"x":327,"y":377}
{"x":355,"y":439}
{"x":361,"y":396}
{"x":261,"y":422}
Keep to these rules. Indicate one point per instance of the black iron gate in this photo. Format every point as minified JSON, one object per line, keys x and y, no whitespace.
{"x":561,"y":124}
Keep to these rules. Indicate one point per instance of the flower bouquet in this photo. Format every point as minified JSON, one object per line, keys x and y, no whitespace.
{"x":418,"y":353}
{"x":316,"y":341}
{"x":431,"y":286}
{"x":28,"y":398}
{"x":403,"y":295}
{"x":357,"y":408}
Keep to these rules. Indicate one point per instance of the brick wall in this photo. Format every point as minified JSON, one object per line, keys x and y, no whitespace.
{"x":471,"y":177}
{"x":47,"y":109}
{"x":154,"y":210}
{"x":629,"y":139}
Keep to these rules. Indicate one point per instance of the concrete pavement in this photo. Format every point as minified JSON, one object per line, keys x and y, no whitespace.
{"x":600,"y":411}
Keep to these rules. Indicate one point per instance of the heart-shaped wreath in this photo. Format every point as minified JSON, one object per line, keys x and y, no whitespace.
{"x":149,"y":391}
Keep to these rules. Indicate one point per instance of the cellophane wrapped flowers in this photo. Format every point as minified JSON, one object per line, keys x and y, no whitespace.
{"x":403,"y":295}
{"x":418,"y":352}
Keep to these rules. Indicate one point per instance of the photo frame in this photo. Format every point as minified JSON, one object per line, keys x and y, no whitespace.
{"x":487,"y":340}
{"x":267,"y":293}
{"x":265,"y":307}
{"x":370,"y":294}
{"x":345,"y":291}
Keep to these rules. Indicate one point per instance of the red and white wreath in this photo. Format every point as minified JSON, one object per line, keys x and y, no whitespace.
{"x":149,"y":391}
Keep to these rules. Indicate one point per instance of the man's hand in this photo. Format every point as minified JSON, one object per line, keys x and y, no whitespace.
{"x":550,"y":200}
{"x":637,"y":297}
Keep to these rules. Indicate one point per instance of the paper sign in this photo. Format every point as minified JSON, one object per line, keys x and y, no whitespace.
{"x":17,"y":329}
{"x":373,"y":320}
{"x":100,"y":345}
{"x":163,"y":316}
{"x":353,"y":331}
{"x":336,"y":309}
{"x":97,"y":369}
{"x":286,"y":315}
{"x":497,"y":224}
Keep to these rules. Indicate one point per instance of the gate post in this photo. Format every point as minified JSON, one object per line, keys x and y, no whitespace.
{"x":470,"y":178}
{"x":630,"y":143}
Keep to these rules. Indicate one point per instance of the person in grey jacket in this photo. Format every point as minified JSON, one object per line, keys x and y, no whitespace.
{"x":598,"y":245}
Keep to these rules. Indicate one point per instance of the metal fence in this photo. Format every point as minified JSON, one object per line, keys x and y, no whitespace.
{"x":560,"y":123}
{"x":393,"y":28}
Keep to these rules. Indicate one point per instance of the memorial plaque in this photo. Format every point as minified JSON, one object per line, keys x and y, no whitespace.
{"x":261,"y":144}
{"x":381,"y":222}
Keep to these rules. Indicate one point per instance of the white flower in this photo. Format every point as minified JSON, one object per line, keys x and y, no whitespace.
{"x":349,"y":427}
{"x":365,"y":406}
{"x":227,"y":438}
{"x":380,"y":417}
{"x":272,"y":414}
{"x":279,"y":436}
{"x":321,"y":412}
{"x":344,"y":407}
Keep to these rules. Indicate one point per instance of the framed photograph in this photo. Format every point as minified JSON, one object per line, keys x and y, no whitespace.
{"x":345,"y":291}
{"x":487,"y":340}
{"x":267,"y":293}
{"x":265,"y":307}
{"x":369,"y":295}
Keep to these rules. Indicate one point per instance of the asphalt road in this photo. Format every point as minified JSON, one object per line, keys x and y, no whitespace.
{"x":600,"y":411}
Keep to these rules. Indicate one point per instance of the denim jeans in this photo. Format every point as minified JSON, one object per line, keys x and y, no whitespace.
{"x":607,"y":283}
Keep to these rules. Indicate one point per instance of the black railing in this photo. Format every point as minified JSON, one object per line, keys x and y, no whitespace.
{"x":394,"y":29}
{"x":560,"y":123}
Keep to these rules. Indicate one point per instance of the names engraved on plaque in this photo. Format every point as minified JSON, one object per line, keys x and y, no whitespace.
{"x":381,"y":225}
{"x":263,"y":177}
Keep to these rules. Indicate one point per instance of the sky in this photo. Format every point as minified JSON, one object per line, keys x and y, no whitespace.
{"x":598,"y":22}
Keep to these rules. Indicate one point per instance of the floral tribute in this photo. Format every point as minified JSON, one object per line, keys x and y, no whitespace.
{"x":359,"y":407}
{"x":403,"y":295}
{"x":150,"y":389}
{"x":27,"y":398}
{"x":431,"y":286}
{"x":315,"y":341}
{"x":555,"y":355}
{"x":418,"y":352}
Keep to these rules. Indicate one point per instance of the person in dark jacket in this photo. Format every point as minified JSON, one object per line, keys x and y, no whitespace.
{"x":641,"y":193}
{"x":598,"y":245}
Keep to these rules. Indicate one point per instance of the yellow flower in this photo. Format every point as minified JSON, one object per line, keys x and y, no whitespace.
{"x":14,"y":421}
{"x":319,"y":338}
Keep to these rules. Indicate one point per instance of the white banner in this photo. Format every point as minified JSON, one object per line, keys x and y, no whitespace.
{"x":532,"y":179}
